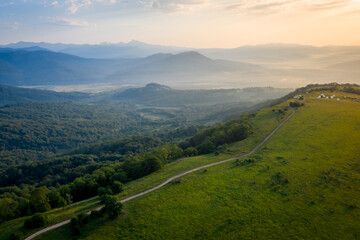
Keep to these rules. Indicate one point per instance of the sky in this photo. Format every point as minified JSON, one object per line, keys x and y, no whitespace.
{"x":187,"y":23}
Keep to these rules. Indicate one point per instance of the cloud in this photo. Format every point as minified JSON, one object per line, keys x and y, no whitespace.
{"x":7,"y":25}
{"x":72,"y":22}
{"x":5,"y":4}
{"x":266,"y":7}
{"x":75,"y":5}
{"x":54,"y":3}
{"x":173,"y":5}
{"x":258,"y":7}
{"x":328,"y":5}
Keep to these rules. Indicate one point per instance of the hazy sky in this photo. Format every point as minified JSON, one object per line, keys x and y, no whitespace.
{"x":191,"y":23}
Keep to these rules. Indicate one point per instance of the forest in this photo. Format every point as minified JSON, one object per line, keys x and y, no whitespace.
{"x":61,"y":181}
{"x":55,"y":153}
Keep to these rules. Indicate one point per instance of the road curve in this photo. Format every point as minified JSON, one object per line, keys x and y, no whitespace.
{"x":174,"y":177}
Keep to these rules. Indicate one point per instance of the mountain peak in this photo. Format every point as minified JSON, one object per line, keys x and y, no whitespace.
{"x":192,"y":55}
{"x":137,"y":43}
{"x":157,"y":86}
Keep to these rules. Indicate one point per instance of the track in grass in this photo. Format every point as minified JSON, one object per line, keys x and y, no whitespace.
{"x":173,"y":178}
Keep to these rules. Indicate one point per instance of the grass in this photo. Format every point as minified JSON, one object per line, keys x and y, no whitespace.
{"x":54,"y":216}
{"x":261,"y":130}
{"x":302,"y":185}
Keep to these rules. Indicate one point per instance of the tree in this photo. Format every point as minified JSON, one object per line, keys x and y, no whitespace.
{"x":295,"y":104}
{"x":219,"y":138}
{"x":117,"y":187}
{"x":54,"y":198}
{"x":119,"y":176}
{"x":175,"y":152}
{"x":113,"y":206}
{"x":39,"y":201}
{"x":206,"y":147}
{"x":239,"y":131}
{"x":83,"y":218}
{"x":8,"y":208}
{"x":190,"y":151}
{"x":16,"y":236}
{"x":103,"y":192}
{"x":151,"y":164}
{"x":36,"y":221}
{"x":68,"y":199}
{"x":75,"y":226}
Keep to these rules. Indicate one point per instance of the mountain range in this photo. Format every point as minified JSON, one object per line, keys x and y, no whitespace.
{"x":137,"y":64}
{"x":152,"y":94}
{"x":22,"y":67}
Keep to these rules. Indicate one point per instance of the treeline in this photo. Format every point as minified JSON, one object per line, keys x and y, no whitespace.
{"x":36,"y":131}
{"x":108,"y":180}
{"x":27,"y":200}
{"x":210,"y":139}
{"x":39,"y":131}
{"x":351,"y":90}
{"x":62,"y":170}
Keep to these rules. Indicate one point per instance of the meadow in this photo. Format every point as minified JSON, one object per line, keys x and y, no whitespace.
{"x":261,"y":130}
{"x":302,"y":184}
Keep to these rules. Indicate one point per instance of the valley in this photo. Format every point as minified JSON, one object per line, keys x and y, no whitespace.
{"x":308,"y":168}
{"x":228,"y":120}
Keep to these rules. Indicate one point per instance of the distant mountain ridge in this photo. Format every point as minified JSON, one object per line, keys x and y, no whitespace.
{"x":10,"y":95}
{"x":132,"y":49}
{"x":255,"y":54}
{"x":136,"y":63}
{"x":154,"y":94}
{"x":19,"y":67}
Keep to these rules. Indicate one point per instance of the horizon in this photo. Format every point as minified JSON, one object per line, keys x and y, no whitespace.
{"x":187,"y":23}
{"x":178,"y":46}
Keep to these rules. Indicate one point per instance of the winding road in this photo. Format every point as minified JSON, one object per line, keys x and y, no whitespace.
{"x":174,"y":177}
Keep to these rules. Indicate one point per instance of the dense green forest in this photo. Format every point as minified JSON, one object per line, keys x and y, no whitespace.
{"x":62,"y":181}
{"x":41,"y":130}
{"x":33,"y":131}
{"x":9,"y":95}
{"x":64,"y":169}
{"x":60,"y":152}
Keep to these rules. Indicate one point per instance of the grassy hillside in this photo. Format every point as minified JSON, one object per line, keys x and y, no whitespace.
{"x":181,"y":165}
{"x":303,"y":185}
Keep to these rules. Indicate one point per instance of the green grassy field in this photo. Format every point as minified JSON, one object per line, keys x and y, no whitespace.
{"x":261,"y":130}
{"x":304,"y":184}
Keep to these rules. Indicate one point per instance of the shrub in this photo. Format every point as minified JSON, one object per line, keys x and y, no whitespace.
{"x":16,"y":236}
{"x":295,"y":104}
{"x":74,"y":221}
{"x":36,"y":221}
{"x":83,"y":218}
{"x":94,"y":213}
{"x":75,"y":226}
{"x":190,"y":151}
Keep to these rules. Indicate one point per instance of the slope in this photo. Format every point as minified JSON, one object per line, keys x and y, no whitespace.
{"x":301,"y":185}
{"x":22,"y":67}
{"x":171,"y":169}
{"x":160,"y":95}
{"x":38,"y":67}
{"x":9,"y":94}
{"x":353,"y":66}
